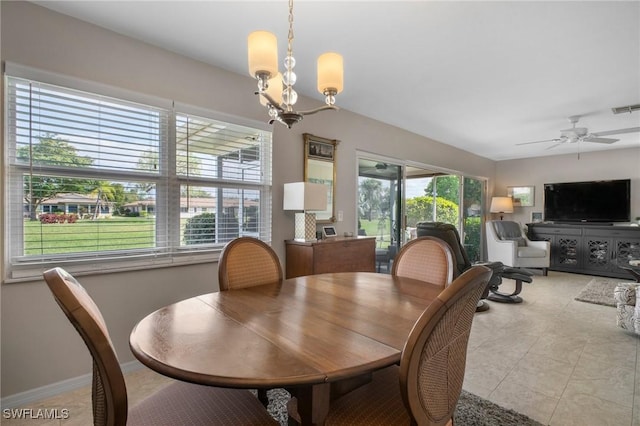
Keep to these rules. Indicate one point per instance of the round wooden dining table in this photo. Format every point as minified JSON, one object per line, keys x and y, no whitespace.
{"x":301,"y":334}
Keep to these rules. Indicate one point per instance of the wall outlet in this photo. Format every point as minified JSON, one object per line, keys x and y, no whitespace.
{"x":340,"y":216}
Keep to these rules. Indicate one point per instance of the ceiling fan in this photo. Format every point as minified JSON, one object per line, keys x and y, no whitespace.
{"x":581,"y":134}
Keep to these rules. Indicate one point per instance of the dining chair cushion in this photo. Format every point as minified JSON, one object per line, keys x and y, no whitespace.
{"x":246,"y":262}
{"x":377,"y":403}
{"x":427,"y":259}
{"x":183,"y":403}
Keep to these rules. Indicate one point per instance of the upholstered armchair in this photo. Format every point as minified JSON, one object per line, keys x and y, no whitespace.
{"x":507,"y":243}
{"x":628,"y":306}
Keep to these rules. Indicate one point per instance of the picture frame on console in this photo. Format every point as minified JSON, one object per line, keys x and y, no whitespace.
{"x":536,"y":217}
{"x":329,"y":232}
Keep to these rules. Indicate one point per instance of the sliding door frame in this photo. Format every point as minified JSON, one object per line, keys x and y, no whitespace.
{"x":365,"y":155}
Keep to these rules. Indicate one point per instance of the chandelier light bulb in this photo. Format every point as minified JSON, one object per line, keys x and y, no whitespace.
{"x":263,"y":54}
{"x":330,"y":73}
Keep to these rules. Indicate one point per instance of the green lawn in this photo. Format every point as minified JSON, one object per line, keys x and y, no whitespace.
{"x":115,"y":233}
{"x":379,"y":229}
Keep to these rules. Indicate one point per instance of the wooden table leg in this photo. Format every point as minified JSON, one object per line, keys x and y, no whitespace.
{"x":312,"y":404}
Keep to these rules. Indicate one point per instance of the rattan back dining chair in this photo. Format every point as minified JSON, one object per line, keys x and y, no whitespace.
{"x":179,"y":403}
{"x":247,"y":262}
{"x":425,"y":258}
{"x":425,"y":388}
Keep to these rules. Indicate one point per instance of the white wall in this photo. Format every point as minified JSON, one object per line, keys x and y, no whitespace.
{"x":615,"y":164}
{"x":39,"y":347}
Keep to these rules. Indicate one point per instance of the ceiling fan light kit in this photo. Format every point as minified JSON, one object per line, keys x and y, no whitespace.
{"x":275,"y":89}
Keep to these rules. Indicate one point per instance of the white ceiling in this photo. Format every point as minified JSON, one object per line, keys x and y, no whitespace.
{"x":481,"y":76}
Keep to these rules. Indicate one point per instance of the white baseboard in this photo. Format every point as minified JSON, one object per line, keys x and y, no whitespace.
{"x":54,"y":389}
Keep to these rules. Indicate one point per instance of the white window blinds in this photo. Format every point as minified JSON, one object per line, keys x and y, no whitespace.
{"x":224,"y":172}
{"x":96,"y":180}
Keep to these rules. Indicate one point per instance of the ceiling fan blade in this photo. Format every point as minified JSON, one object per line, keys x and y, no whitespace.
{"x":599,"y":140}
{"x":553,"y":146}
{"x":547,"y":140}
{"x":617,"y":132}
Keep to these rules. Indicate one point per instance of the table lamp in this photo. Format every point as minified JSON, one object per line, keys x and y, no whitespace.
{"x":501,"y":205}
{"x":308,"y":197}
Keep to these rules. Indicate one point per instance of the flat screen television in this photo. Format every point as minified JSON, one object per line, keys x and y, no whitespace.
{"x":595,"y":201}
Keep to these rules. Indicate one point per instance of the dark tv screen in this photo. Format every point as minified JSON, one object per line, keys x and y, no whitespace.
{"x":596,"y":201}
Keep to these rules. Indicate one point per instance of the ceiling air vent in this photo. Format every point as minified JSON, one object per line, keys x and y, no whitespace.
{"x":628,"y":108}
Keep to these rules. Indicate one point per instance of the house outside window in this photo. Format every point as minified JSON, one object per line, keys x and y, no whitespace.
{"x":97,"y":182}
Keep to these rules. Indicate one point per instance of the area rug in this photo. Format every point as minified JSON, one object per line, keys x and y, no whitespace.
{"x":599,"y":291}
{"x":471,"y":411}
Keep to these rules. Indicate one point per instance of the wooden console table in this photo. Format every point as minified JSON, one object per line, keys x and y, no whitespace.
{"x":337,"y":254}
{"x":588,"y":249}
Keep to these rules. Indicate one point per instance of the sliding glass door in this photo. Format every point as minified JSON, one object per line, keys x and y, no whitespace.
{"x":393,"y":198}
{"x":473,"y":191}
{"x":380,"y":207}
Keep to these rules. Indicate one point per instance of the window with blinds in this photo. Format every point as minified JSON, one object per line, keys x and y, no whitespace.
{"x":96,"y":181}
{"x":224,"y":190}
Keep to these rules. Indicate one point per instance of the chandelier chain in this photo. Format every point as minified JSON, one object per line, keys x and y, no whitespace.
{"x":290,"y":36}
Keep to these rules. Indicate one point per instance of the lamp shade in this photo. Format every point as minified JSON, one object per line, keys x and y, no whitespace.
{"x":305,"y":196}
{"x":501,"y":205}
{"x":263,"y":53}
{"x":330,"y":72}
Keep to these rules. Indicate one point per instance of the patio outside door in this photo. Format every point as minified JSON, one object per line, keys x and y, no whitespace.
{"x":394,"y":198}
{"x":380,"y":207}
{"x":473,"y":191}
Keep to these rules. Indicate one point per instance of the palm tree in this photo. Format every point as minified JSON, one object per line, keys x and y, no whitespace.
{"x":104,"y":193}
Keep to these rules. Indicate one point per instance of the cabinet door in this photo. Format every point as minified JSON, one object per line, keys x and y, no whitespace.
{"x":627,"y":248}
{"x":567,"y":252}
{"x":597,"y":254}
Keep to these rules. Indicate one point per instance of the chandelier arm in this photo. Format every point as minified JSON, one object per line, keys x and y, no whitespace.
{"x":272,"y":101}
{"x":322,"y":108}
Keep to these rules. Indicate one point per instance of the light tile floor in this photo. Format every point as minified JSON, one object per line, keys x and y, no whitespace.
{"x":559,"y":361}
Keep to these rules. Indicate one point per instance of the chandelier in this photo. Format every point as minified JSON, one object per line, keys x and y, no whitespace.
{"x":275,"y":89}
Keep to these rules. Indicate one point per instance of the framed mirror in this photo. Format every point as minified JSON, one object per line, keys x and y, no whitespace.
{"x":320,"y":167}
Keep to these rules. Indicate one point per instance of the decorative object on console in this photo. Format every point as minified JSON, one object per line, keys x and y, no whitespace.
{"x":536,"y":217}
{"x":329,"y":231}
{"x":307,"y":197}
{"x":263,"y":65}
{"x":501,"y":205}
